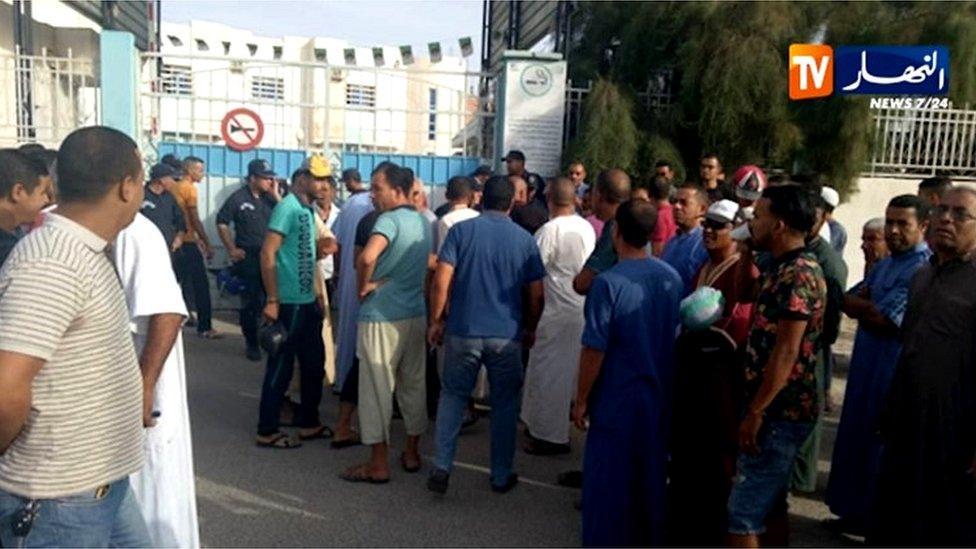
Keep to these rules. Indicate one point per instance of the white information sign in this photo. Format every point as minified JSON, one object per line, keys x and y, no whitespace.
{"x":532,"y":113}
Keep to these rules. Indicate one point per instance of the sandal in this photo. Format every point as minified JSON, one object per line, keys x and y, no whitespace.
{"x":361,"y":474}
{"x":279,"y":440}
{"x":322,"y":431}
{"x":339,"y":444}
{"x":210,"y":334}
{"x":406,"y":467}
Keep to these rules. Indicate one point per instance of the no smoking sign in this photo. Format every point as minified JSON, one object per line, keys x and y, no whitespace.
{"x":242,"y":129}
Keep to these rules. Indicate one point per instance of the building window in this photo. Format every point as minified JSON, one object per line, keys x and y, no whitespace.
{"x":253,"y":48}
{"x":432,"y":118}
{"x":360,"y":96}
{"x":321,"y":55}
{"x":226,"y":48}
{"x":277,"y":51}
{"x":177,"y":80}
{"x":268,"y":87}
{"x":175,"y":41}
{"x":202,"y":46}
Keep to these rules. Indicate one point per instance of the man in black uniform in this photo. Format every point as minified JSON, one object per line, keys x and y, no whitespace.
{"x":249,"y":209}
{"x":515,"y":164}
{"x":161,"y":208}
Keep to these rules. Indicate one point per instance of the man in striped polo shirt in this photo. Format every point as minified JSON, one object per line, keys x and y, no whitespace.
{"x":71,"y":425}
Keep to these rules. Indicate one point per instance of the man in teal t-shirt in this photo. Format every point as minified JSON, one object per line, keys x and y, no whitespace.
{"x":391,"y":271}
{"x":288,"y":271}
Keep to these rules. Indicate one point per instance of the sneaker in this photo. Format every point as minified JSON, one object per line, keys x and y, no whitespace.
{"x":510,"y":483}
{"x":253,"y":353}
{"x":438,"y":480}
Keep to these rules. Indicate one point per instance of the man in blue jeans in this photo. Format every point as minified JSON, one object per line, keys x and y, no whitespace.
{"x":71,"y":416}
{"x":781,"y":358}
{"x":487,"y":265}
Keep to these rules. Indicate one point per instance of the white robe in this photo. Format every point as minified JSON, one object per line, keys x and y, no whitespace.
{"x":165,"y":486}
{"x":565,"y":243}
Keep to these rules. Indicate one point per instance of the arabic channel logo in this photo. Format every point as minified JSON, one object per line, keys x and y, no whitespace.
{"x":816,"y":69}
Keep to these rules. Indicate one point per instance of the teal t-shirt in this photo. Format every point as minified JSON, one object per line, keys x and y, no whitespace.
{"x":295,"y":260}
{"x":403,"y":265}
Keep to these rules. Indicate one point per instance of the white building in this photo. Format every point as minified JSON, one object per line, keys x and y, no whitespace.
{"x":308,"y":94}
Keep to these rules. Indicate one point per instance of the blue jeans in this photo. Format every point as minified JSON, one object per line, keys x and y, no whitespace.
{"x":96,"y":518}
{"x":761,"y":480}
{"x":463,"y":357}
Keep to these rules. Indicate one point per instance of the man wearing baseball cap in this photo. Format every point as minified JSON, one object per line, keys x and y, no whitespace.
{"x":248,"y":209}
{"x":161,"y":208}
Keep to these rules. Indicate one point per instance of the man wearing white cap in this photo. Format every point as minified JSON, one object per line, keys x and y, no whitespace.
{"x":838,"y":234}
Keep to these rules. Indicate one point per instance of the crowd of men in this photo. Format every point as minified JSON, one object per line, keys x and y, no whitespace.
{"x":686,"y":328}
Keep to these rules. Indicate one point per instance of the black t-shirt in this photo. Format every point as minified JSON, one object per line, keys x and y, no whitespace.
{"x":249,"y":216}
{"x":530,"y":217}
{"x":723,"y":191}
{"x":365,"y":227}
{"x":164,"y":212}
{"x":7,"y":243}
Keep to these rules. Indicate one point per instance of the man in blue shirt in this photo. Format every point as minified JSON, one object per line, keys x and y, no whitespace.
{"x":487,"y":265}
{"x":624,"y":389}
{"x":878,"y":303}
{"x":686,"y":251}
{"x":391,"y":272}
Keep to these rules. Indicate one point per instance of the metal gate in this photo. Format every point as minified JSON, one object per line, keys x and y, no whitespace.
{"x":43,"y":98}
{"x":420,"y":109}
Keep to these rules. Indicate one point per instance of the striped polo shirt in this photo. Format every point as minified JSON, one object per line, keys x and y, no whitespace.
{"x":61,"y":301}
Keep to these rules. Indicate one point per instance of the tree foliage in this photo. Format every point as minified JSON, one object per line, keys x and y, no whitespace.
{"x":608,"y":136}
{"x":729,"y":61}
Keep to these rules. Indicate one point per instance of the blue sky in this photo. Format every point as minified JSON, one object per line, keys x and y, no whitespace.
{"x":363,"y":23}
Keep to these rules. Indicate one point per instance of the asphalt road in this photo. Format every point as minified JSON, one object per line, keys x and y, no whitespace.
{"x":250,"y":496}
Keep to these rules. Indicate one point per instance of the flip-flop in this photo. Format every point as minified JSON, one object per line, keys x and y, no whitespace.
{"x":322,"y":431}
{"x":279,"y":440}
{"x":345,"y":443}
{"x":361,"y":474}
{"x":407,"y":468}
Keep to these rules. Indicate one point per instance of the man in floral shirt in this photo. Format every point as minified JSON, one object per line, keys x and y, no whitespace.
{"x":783,"y":347}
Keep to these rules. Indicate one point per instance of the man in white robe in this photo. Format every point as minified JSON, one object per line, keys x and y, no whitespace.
{"x":565,"y":242}
{"x":165,"y":486}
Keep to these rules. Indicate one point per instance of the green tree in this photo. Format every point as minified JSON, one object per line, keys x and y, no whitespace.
{"x":608,"y":136}
{"x":729,"y":64}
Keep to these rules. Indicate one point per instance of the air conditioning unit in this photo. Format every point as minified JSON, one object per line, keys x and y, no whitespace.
{"x":237,"y":67}
{"x":337,"y":75}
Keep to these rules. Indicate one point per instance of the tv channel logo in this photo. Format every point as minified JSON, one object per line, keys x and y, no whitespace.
{"x":815,"y":70}
{"x":811,"y":71}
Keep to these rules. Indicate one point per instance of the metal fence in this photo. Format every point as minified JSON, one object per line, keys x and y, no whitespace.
{"x":309,"y":105}
{"x":914,"y":142}
{"x":657,"y":94}
{"x":43,"y":98}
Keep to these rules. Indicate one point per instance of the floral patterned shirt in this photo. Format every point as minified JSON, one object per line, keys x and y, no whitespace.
{"x":793,"y":288}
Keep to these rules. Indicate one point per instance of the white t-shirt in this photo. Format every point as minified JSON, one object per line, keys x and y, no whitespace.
{"x":450,"y":219}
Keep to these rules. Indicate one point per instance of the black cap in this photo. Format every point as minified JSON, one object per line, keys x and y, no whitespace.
{"x":515,"y":155}
{"x":175,"y":162}
{"x":259,"y":167}
{"x":482,"y":171}
{"x":162,"y":170}
{"x":351,"y":173}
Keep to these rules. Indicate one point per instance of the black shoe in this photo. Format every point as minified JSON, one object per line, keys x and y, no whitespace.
{"x":510,"y":483}
{"x":570,"y":479}
{"x":438,"y":480}
{"x":538,"y":447}
{"x":253,"y":353}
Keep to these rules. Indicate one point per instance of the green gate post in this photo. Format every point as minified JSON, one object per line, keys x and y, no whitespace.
{"x":119,"y":81}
